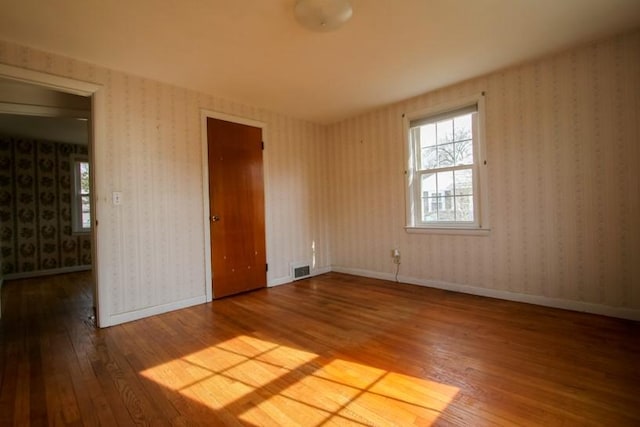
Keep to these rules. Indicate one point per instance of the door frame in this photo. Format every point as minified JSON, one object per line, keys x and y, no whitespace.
{"x":204,"y":115}
{"x":96,"y":93}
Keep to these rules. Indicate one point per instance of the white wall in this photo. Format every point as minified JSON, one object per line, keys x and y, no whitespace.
{"x":148,"y":146}
{"x":563,"y":150}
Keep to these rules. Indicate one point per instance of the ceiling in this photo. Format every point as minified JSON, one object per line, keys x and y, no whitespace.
{"x":58,"y":129}
{"x":254,"y":52}
{"x":36,"y":112}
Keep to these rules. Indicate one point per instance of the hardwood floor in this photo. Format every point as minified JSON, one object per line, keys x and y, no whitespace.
{"x":332,"y":350}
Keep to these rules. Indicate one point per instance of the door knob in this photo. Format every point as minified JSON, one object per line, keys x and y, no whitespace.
{"x":215,"y":218}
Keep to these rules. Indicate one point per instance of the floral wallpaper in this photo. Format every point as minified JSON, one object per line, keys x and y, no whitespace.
{"x":35,"y":207}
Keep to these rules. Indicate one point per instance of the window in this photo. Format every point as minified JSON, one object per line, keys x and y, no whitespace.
{"x":445,"y":177}
{"x":81,"y":198}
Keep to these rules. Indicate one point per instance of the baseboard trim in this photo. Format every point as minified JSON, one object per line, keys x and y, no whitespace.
{"x":289,"y":279}
{"x":279,"y":281}
{"x":116,"y":319}
{"x":586,"y":307}
{"x":364,"y":273}
{"x":50,"y":272}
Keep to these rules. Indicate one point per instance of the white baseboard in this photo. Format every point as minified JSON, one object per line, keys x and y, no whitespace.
{"x":279,"y":281}
{"x":319,"y":271}
{"x":620,"y":312}
{"x":51,"y":272}
{"x":586,"y":307}
{"x":289,"y":279}
{"x":364,"y":273}
{"x":116,"y":319}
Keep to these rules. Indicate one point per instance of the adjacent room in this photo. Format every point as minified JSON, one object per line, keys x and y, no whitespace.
{"x":320,"y":212}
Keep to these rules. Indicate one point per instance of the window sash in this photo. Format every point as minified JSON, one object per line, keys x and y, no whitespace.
{"x":80,"y":211}
{"x":415,"y":181}
{"x":418,"y":198}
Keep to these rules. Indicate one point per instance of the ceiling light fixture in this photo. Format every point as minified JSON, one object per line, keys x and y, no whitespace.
{"x":323,"y":15}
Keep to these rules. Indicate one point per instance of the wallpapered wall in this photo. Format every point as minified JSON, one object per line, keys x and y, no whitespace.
{"x":562,"y":141}
{"x":35,"y":207}
{"x":151,"y":247}
{"x":563,"y":150}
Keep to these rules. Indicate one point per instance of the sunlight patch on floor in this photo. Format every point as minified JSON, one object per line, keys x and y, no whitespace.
{"x":262,"y":382}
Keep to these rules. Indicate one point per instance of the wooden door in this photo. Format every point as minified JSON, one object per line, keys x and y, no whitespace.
{"x":236,"y":202}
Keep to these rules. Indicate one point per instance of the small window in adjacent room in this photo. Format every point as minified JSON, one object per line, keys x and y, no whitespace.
{"x":446,"y":168}
{"x":81,"y":198}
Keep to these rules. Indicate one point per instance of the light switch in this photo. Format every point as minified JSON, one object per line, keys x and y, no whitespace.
{"x":117,"y":197}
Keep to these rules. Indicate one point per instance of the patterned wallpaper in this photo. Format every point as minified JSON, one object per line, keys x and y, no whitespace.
{"x":562,"y":141}
{"x":563,"y":145}
{"x":151,"y":247}
{"x":35,"y":207}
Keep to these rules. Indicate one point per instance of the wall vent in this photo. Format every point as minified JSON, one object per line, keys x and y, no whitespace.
{"x":300,"y":271}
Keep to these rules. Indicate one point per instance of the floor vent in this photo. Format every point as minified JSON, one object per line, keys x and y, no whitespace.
{"x":301,"y":272}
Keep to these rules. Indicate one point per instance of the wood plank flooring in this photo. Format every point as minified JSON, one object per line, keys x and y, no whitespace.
{"x":332,"y":350}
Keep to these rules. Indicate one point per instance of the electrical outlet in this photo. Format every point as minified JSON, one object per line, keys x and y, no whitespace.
{"x":395,"y":254}
{"x":116,"y":198}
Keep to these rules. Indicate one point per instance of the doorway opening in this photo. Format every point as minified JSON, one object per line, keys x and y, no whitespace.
{"x":46,"y":147}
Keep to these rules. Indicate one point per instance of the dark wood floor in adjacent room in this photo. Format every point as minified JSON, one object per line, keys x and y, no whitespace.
{"x":333,"y":350}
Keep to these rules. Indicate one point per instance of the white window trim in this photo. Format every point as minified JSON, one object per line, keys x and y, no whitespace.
{"x":76,"y":206}
{"x":481,"y":226}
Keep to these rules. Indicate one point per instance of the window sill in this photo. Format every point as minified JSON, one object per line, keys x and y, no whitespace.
{"x":450,"y":231}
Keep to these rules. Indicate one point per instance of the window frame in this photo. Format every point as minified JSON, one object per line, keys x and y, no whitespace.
{"x":76,"y":196}
{"x":413,"y":196}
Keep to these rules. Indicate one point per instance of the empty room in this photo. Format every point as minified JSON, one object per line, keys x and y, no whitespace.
{"x":320,"y":212}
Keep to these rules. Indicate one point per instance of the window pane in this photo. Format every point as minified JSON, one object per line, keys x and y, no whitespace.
{"x":446,"y":214}
{"x":85,"y":200}
{"x":445,"y":182}
{"x":464,"y":208}
{"x":464,"y":152}
{"x":448,"y":208}
{"x":444,"y":130}
{"x":427,"y":135}
{"x":84,"y":177}
{"x":84,"y":168}
{"x":464,"y":182}
{"x":81,"y":214}
{"x":86,"y":212}
{"x":429,"y":187}
{"x":430,"y":209}
{"x":462,"y":127}
{"x":446,"y":155}
{"x":429,"y":159}
{"x":430,"y":217}
{"x":86,"y":220}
